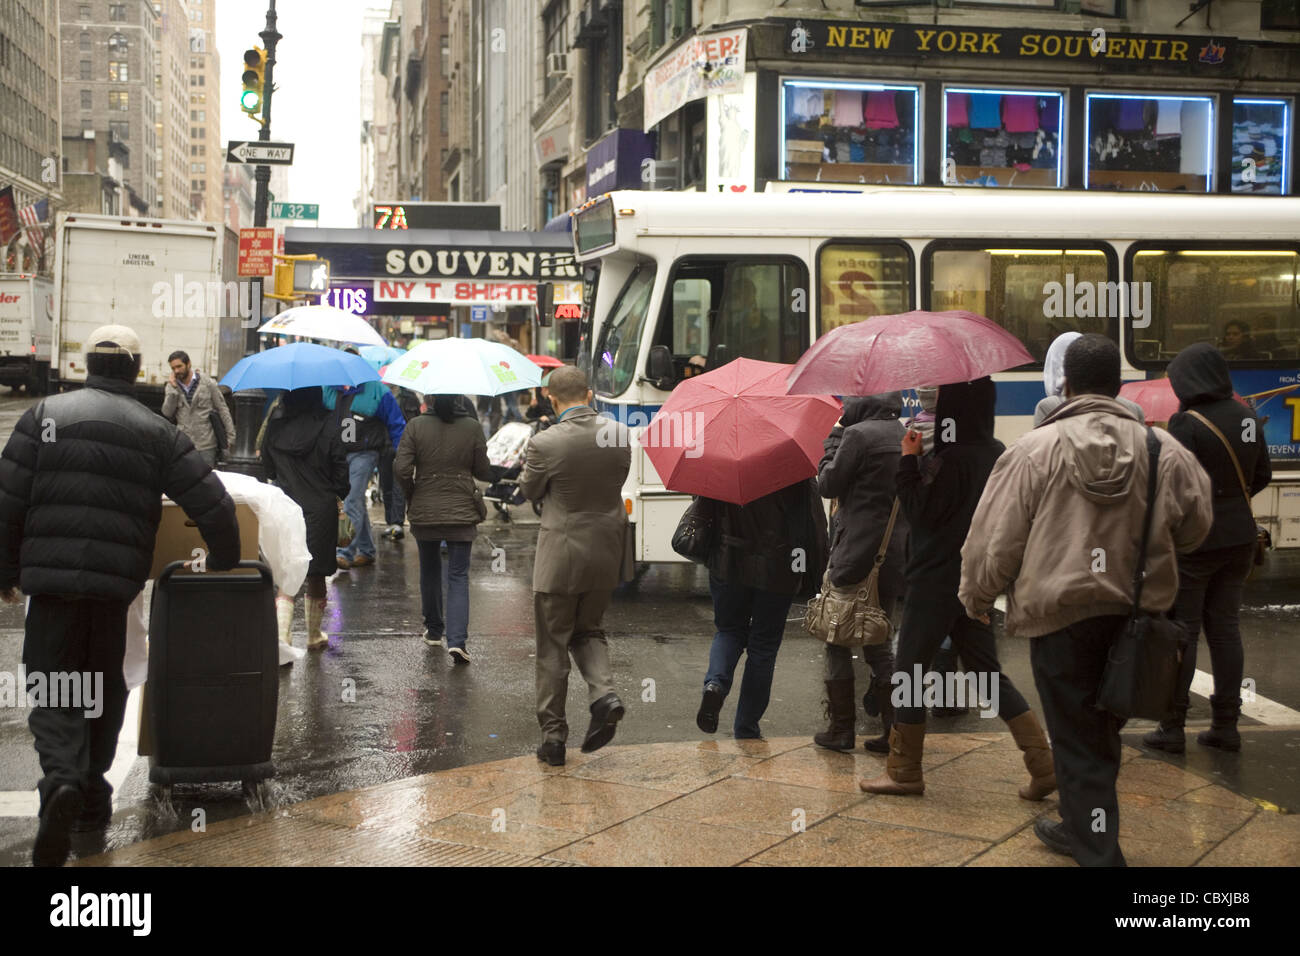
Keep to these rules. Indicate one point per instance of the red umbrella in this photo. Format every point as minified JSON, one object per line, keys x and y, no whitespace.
{"x":887,"y":353}
{"x":733,"y":434}
{"x":1157,"y":398}
{"x":544,"y":361}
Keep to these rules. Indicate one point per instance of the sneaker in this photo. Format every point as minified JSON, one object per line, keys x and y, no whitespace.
{"x":433,"y":641}
{"x":343,"y":563}
{"x":363,"y":560}
{"x":395,"y":532}
{"x":458,"y":655}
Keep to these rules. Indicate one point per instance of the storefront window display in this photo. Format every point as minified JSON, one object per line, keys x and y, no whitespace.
{"x":1261,"y":154}
{"x":833,"y":131}
{"x":1002,"y":137}
{"x":1149,"y":143}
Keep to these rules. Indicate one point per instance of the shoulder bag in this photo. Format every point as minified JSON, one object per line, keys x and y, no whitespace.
{"x":697,"y":531}
{"x":852,"y":616}
{"x":1142,"y":666}
{"x":1263,"y":540}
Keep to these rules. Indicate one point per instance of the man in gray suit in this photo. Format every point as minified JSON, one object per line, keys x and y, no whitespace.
{"x":576,"y":469}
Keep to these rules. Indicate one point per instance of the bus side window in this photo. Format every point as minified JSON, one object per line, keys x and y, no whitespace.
{"x":764,"y":312}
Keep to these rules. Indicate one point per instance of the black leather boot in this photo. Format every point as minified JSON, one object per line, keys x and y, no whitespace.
{"x":883,"y":688}
{"x":842,"y":712}
{"x":1223,"y":733}
{"x":1169,"y":736}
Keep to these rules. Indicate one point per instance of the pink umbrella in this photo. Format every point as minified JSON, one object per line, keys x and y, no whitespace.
{"x":544,"y":361}
{"x":1157,"y":398}
{"x":735,"y":435}
{"x":887,"y":353}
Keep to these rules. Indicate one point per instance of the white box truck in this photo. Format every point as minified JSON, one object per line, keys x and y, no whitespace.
{"x":26,"y":329}
{"x":160,"y":277}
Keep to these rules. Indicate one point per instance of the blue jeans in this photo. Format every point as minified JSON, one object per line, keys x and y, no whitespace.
{"x":361,"y":464}
{"x":752,"y":622}
{"x":431,"y":580}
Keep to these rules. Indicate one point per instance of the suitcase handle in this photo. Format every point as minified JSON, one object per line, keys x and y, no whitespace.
{"x":175,"y":566}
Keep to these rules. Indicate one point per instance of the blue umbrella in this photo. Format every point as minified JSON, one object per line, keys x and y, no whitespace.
{"x":297,"y":366}
{"x":380,"y":355}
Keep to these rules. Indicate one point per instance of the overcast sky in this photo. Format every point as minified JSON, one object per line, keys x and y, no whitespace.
{"x":316,"y":105}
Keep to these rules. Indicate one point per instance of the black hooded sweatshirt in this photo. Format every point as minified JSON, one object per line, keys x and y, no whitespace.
{"x":939,"y":493}
{"x":304,"y":456}
{"x":858,"y":467}
{"x":1199,"y":376}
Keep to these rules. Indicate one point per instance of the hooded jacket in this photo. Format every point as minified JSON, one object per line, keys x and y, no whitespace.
{"x":1199,"y":376}
{"x":1054,"y":381}
{"x":1066,"y":505}
{"x":858,"y":467}
{"x":939,"y":492}
{"x":379,"y":420}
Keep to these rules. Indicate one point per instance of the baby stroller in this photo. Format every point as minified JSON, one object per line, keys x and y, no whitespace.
{"x":505,"y":451}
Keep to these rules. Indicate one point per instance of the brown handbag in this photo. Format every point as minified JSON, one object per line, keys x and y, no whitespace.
{"x":852,"y":616}
{"x":1262,"y":538}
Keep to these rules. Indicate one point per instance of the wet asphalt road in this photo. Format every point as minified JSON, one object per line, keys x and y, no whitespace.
{"x":414,"y":712}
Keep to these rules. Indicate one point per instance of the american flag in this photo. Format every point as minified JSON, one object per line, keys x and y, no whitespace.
{"x":32,"y":216}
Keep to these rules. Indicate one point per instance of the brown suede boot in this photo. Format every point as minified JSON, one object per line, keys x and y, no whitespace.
{"x":841,"y":709}
{"x":1030,"y":738}
{"x":902,"y":774}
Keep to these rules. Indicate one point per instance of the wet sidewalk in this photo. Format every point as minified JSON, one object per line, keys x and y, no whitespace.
{"x":777,"y":802}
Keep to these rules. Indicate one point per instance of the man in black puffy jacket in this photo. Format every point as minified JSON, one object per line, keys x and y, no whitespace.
{"x":81,"y":485}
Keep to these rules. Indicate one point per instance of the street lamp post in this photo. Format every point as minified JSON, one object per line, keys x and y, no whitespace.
{"x":249,"y":404}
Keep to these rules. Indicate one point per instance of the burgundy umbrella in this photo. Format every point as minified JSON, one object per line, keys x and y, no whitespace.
{"x":1157,"y":398}
{"x":733,"y":434}
{"x":888,"y":353}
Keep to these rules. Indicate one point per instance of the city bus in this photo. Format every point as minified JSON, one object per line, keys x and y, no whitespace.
{"x":674,"y":275}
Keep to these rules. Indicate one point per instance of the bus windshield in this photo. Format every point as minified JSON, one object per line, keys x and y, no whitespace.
{"x":620,"y":340}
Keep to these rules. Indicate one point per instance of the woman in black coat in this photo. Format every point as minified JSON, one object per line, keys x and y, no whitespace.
{"x":859,"y":468}
{"x":1210,"y":579}
{"x":305,"y":457}
{"x":763,"y":555}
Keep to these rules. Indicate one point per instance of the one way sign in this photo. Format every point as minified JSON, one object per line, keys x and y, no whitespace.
{"x":262,"y":154}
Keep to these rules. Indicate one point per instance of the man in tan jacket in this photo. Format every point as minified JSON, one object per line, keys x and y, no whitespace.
{"x":576,"y":468}
{"x":1058,"y":530}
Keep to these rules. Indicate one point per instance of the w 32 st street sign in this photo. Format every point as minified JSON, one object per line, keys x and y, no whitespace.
{"x":259,"y":153}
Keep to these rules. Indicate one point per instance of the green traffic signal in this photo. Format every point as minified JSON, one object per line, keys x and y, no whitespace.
{"x":254,"y":79}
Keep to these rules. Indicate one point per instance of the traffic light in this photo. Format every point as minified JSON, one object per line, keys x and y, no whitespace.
{"x":250,"y":101}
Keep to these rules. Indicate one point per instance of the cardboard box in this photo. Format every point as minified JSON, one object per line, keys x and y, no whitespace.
{"x":178,"y":536}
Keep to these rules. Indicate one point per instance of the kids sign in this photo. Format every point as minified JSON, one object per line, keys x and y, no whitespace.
{"x":456,"y":293}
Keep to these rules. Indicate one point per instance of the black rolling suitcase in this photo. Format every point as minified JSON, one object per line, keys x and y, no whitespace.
{"x":213,"y":676}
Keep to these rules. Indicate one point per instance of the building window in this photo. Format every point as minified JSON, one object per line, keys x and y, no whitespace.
{"x":118,"y":45}
{"x":87,"y":100}
{"x":85,"y":69}
{"x":444,"y":55}
{"x":201,"y":80}
{"x":84,"y":41}
{"x":119,"y":100}
{"x":836,"y":131}
{"x":83,"y":11}
{"x":442,"y":112}
{"x":1002,"y":137}
{"x":117,"y":12}
{"x":118,"y":71}
{"x":555,"y":26}
{"x":605,"y":64}
{"x":120,"y":129}
{"x":669,"y":19}
{"x":1261,"y":146}
{"x":1149,"y":143}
